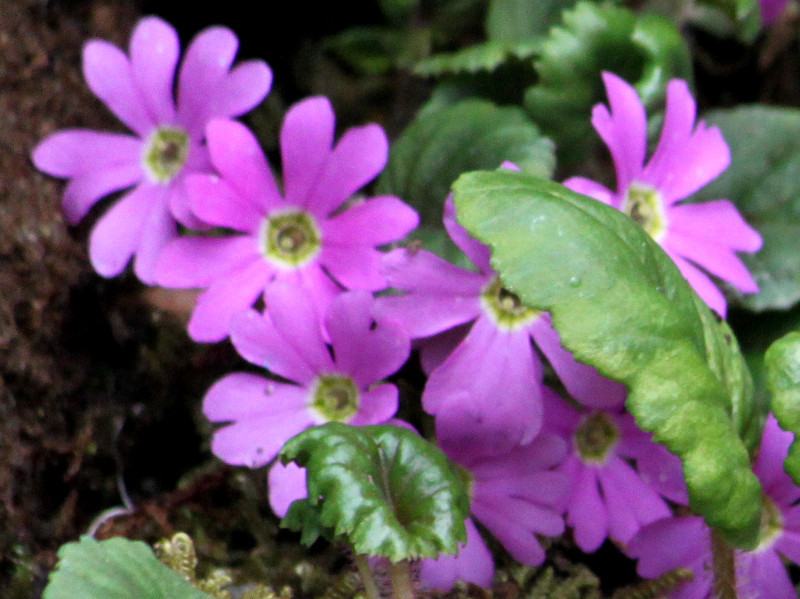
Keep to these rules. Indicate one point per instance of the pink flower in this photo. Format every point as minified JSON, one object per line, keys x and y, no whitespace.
{"x":607,"y":497}
{"x":513,"y":495}
{"x":686,"y":542}
{"x":701,"y":238}
{"x":478,"y":342}
{"x":305,"y":234}
{"x":167,"y":140}
{"x":340,"y":383}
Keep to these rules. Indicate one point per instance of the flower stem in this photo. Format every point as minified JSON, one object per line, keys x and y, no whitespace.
{"x":724,"y":568}
{"x":401,"y":580}
{"x":370,"y":588}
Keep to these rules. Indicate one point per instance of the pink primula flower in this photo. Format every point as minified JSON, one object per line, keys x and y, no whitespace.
{"x":700,"y":238}
{"x":685,"y":542}
{"x":772,"y":10}
{"x":339,"y":383}
{"x":304,"y":234}
{"x":617,"y":474}
{"x":167,"y":143}
{"x":512,"y":494}
{"x":478,"y":342}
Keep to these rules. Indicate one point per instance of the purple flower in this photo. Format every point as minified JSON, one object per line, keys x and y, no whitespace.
{"x":700,"y":238}
{"x":686,"y":542}
{"x":340,"y":383}
{"x":771,"y":10}
{"x":512,"y":494}
{"x":167,"y":140}
{"x":607,"y":497}
{"x":305,"y":235}
{"x":477,"y":342}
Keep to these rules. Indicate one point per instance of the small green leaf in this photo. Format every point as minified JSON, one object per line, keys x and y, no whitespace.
{"x":384,"y":489}
{"x":115,"y":569}
{"x":441,"y":144}
{"x":518,"y":20}
{"x":762,"y":182}
{"x":728,"y":18}
{"x":647,"y":51}
{"x":620,"y":305}
{"x":488,"y":56}
{"x":782,"y":362}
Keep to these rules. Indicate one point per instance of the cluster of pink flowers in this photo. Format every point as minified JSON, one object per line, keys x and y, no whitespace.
{"x":292,"y":286}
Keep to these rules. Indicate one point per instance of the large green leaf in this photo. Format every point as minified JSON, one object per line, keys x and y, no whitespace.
{"x":646,"y":50}
{"x":782,"y":362}
{"x":762,"y":182}
{"x":471,"y":134}
{"x":620,"y":304}
{"x":115,"y":569}
{"x":384,"y":489}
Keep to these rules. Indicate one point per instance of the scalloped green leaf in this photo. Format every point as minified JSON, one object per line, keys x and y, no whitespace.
{"x":115,"y":569}
{"x":443,"y":143}
{"x":384,"y":489}
{"x":646,"y":50}
{"x":762,"y":182}
{"x":620,"y":304}
{"x":518,"y":20}
{"x":488,"y":56}
{"x":782,"y":363}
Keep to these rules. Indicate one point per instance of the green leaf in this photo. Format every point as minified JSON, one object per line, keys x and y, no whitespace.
{"x":782,"y":362}
{"x":115,"y":569}
{"x":647,"y":51}
{"x":620,"y":305}
{"x":728,"y":18}
{"x":441,"y":144}
{"x":762,"y":182}
{"x":384,"y":488}
{"x":519,"y":20}
{"x":488,"y":56}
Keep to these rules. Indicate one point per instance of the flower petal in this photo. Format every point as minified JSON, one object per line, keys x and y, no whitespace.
{"x":238,"y":156}
{"x":477,"y":252}
{"x":205,"y":66}
{"x":357,"y":159}
{"x":377,"y":406}
{"x":701,"y":283}
{"x":668,"y":544}
{"x":287,"y":484}
{"x":296,"y":318}
{"x":242,"y":396}
{"x":354,"y":267}
{"x":214,"y":201}
{"x":244,"y":88}
{"x":685,"y":160}
{"x":258,"y":341}
{"x":763,"y":574}
{"x":256,"y":441}
{"x":582,"y":382}
{"x":74,"y":152}
{"x":474,"y":563}
{"x":235,"y":292}
{"x":85,"y":190}
{"x":109,"y":75}
{"x":718,"y":221}
{"x":306,"y":143}
{"x":512,"y":523}
{"x":372,"y":223}
{"x":587,"y":513}
{"x":154,"y":50}
{"x":158,"y":230}
{"x":368,"y":350}
{"x":117,"y":235}
{"x":502,"y":398}
{"x":196,"y":262}
{"x":623,"y":129}
{"x":594,"y":190}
